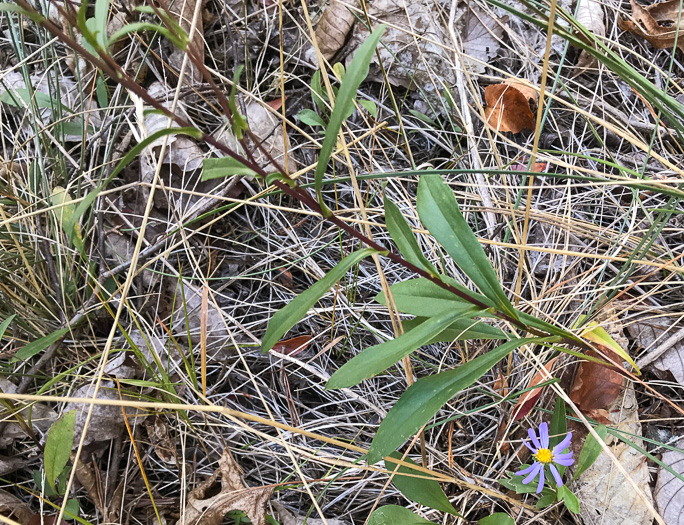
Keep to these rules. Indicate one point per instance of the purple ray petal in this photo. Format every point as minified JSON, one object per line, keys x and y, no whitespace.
{"x":526,"y":470}
{"x":540,"y":485}
{"x":534,"y":439}
{"x":533,"y":450}
{"x":533,"y":474}
{"x":567,"y":455}
{"x":565,"y":462}
{"x":562,"y":445}
{"x":544,"y":435}
{"x":556,"y":475}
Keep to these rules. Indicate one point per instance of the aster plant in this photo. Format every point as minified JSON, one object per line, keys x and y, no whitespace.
{"x":546,"y":457}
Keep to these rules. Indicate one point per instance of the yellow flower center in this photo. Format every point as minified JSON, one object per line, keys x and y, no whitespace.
{"x":544,"y":455}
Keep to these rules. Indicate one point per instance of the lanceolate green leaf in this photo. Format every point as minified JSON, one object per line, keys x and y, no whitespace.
{"x":5,"y":324}
{"x":356,"y":73}
{"x":425,"y":398}
{"x":439,"y":212}
{"x":395,"y":515}
{"x":498,"y":518}
{"x":378,"y":358}
{"x":58,"y":445}
{"x":402,"y":235}
{"x":590,"y":451}
{"x":459,"y":330}
{"x":216,"y":168}
{"x":425,"y":298}
{"x":41,"y":344}
{"x":427,"y":492}
{"x":559,"y":423}
{"x":287,"y":317}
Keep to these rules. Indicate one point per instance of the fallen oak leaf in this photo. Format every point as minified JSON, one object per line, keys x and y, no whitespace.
{"x":509,"y":106}
{"x":596,"y":386}
{"x":656,"y":23}
{"x":202,"y":509}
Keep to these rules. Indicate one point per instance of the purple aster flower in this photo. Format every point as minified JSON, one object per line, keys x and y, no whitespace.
{"x":544,"y":456}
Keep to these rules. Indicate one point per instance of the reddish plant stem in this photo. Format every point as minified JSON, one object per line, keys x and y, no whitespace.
{"x":111,"y":68}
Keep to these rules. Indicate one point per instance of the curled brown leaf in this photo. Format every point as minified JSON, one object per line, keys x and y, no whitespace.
{"x":656,"y":23}
{"x":509,"y":106}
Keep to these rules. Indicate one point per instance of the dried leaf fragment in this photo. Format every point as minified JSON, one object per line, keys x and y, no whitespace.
{"x":203,"y":510}
{"x":509,"y":106}
{"x":292,"y":346}
{"x":333,"y":27}
{"x":482,"y":37}
{"x":590,"y":15}
{"x":656,"y":23}
{"x":669,"y":490}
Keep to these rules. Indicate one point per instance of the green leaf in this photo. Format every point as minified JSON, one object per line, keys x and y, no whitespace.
{"x":317,"y":93}
{"x":427,"y":492}
{"x":545,"y":500}
{"x":596,"y":334}
{"x":370,"y":106}
{"x":31,"y":15}
{"x":559,"y":423}
{"x":395,"y":515}
{"x":498,"y":518}
{"x":514,"y":482}
{"x":296,"y":309}
{"x":22,"y":97}
{"x":137,"y":27}
{"x":239,"y":122}
{"x":459,"y":330}
{"x":41,"y":344}
{"x":569,"y":498}
{"x":65,"y":216}
{"x":5,"y":324}
{"x":402,"y":235}
{"x":58,"y":445}
{"x":590,"y":451}
{"x":356,"y":73}
{"x":310,"y":118}
{"x":217,"y":168}
{"x":101,"y":15}
{"x":425,"y":398}
{"x":378,"y":358}
{"x":71,"y":509}
{"x":424,"y":298}
{"x":439,"y":212}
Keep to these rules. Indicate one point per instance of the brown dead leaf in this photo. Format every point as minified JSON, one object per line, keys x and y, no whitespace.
{"x":656,"y":23}
{"x":13,"y":508}
{"x":333,"y":27}
{"x":184,"y":11}
{"x":267,"y":126}
{"x":596,"y":386}
{"x":590,"y":15}
{"x":415,"y":47}
{"x":482,"y":36}
{"x":159,"y":437}
{"x":233,"y":495}
{"x":529,"y":399}
{"x":509,"y":106}
{"x":292,"y":346}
